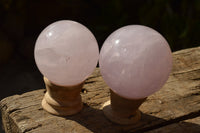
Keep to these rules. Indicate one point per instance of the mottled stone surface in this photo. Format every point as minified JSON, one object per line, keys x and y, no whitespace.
{"x":135,"y":61}
{"x":66,"y":52}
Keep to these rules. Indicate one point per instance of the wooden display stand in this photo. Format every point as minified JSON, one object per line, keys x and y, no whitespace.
{"x":175,"y":108}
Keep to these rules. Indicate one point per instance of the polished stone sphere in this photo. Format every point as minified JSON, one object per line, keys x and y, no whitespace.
{"x":66,"y":52}
{"x":135,"y":61}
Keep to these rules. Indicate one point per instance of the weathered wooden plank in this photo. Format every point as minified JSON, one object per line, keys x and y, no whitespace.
{"x":177,"y":99}
{"x":186,"y":126}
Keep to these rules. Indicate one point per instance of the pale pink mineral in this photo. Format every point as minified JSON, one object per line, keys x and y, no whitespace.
{"x":135,"y":61}
{"x":66,"y":52}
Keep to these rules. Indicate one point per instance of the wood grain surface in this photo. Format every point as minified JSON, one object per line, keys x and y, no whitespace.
{"x":175,"y":106}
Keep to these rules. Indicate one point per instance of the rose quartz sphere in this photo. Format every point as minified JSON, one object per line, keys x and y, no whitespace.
{"x":66,"y":52}
{"x":135,"y":61}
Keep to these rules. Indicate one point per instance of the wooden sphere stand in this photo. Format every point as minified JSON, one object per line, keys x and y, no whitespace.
{"x":121,"y":110}
{"x":62,"y":100}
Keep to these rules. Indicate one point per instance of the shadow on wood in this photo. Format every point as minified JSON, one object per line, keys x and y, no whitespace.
{"x":93,"y":123}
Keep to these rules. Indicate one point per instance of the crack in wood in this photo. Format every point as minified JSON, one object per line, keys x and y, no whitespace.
{"x":169,"y":122}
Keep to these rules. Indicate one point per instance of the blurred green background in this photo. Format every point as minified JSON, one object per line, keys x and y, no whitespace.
{"x":22,"y":20}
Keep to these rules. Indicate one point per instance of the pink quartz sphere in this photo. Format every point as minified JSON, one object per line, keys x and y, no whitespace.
{"x":135,"y":61}
{"x":66,"y":52}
